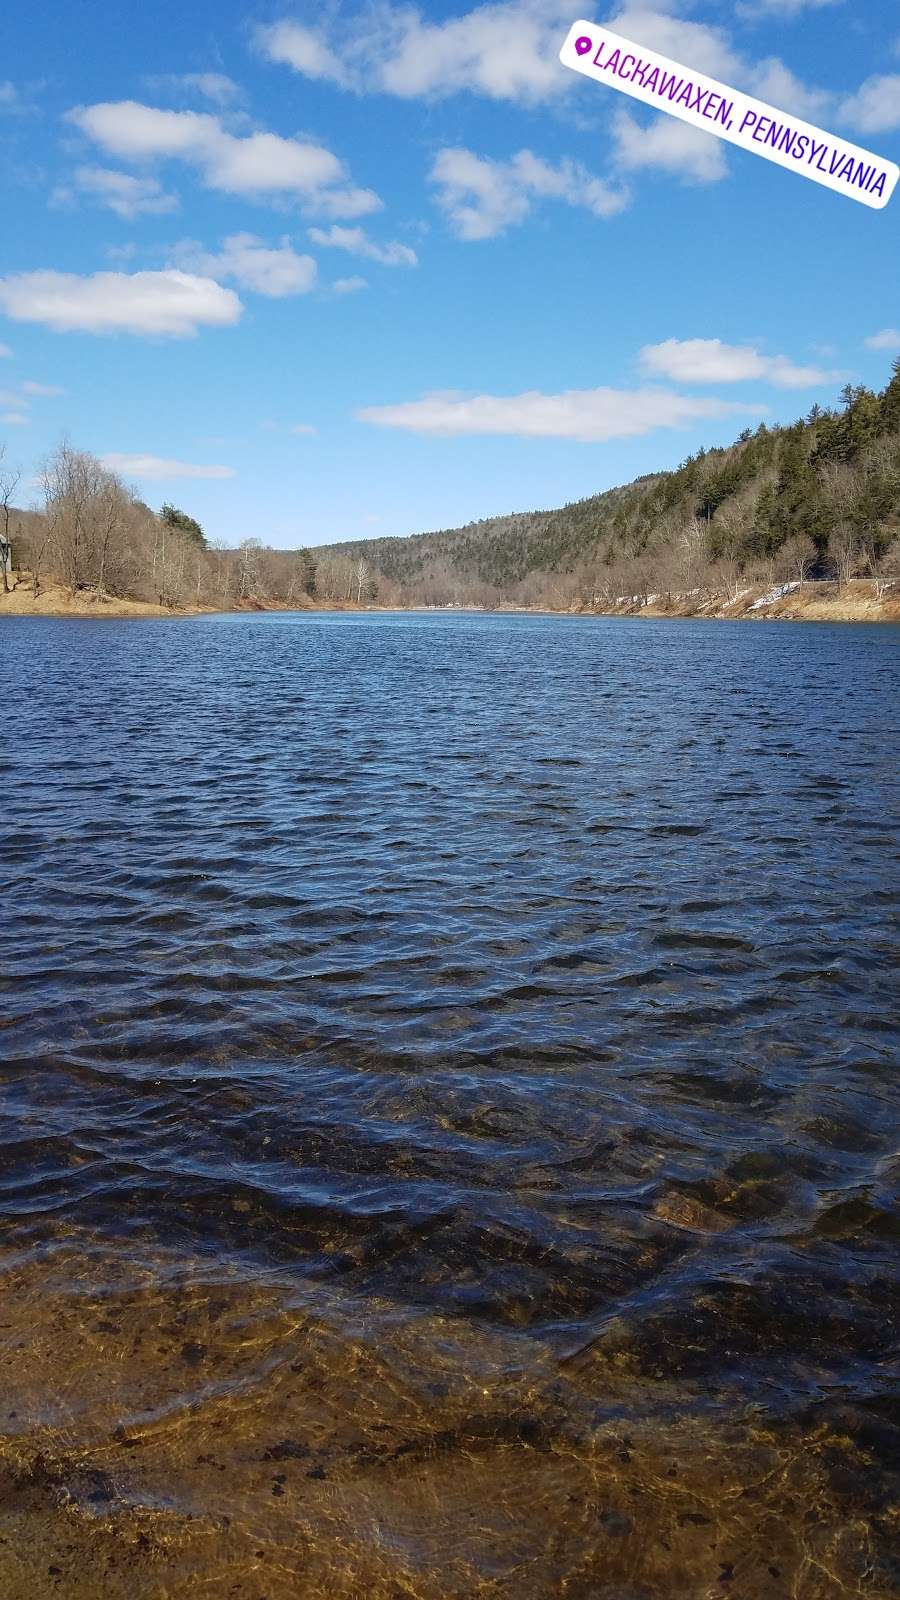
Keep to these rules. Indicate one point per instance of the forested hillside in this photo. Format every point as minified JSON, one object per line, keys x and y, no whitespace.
{"x":820,"y":498}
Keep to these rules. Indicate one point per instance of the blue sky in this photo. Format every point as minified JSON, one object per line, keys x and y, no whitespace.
{"x":335,"y":272}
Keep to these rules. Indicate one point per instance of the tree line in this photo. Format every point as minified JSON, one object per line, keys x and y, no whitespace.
{"x":818,"y":498}
{"x":94,"y":535}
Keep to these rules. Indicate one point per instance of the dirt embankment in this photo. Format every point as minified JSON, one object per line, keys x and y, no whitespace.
{"x":56,"y":600}
{"x":814,"y":602}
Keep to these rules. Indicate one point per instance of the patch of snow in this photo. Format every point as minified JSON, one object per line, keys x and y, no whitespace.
{"x":777,"y":593}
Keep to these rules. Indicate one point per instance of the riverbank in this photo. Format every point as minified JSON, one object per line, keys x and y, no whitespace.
{"x":857,"y":601}
{"x":57,"y":600}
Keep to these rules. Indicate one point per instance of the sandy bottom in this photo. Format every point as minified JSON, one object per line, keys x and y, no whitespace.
{"x":180,"y":1428}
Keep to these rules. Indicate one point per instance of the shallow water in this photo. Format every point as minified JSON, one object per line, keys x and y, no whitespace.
{"x":448,"y":1112}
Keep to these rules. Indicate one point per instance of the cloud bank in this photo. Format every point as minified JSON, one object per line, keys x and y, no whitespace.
{"x":170,"y":303}
{"x":258,"y":165}
{"x":590,"y":416}
{"x":150,"y":468}
{"x":711,"y":361}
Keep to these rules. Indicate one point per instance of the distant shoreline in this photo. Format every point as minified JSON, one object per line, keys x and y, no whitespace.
{"x":815,"y":602}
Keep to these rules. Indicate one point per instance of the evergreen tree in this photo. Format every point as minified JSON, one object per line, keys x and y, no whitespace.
{"x":889,"y":411}
{"x":173,"y":518}
{"x":309,"y":568}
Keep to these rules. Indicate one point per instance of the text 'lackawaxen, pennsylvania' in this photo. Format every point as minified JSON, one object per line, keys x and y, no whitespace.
{"x":715,"y":108}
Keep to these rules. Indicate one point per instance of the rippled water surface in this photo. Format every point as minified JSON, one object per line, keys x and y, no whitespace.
{"x":448,"y":1113}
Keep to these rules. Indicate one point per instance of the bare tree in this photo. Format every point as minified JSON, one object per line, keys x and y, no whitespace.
{"x":248,"y":567}
{"x":40,"y":543}
{"x":795,"y":559}
{"x":726,"y":577}
{"x":886,"y":570}
{"x":844,"y":486}
{"x":111,"y":512}
{"x":690,"y":554}
{"x":70,"y":482}
{"x":843,"y":552}
{"x":223,"y":560}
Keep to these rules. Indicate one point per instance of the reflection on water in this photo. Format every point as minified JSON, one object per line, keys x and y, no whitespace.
{"x":448,"y":1122}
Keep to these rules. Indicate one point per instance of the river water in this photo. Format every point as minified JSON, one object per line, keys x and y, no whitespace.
{"x":448,"y":1109}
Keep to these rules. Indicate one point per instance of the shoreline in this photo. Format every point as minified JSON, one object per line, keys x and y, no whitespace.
{"x":815,"y":602}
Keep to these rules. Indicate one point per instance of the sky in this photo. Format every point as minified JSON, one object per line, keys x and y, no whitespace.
{"x":342,"y":271}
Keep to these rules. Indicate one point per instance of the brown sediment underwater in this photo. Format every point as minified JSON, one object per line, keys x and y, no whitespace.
{"x":171,"y":1429}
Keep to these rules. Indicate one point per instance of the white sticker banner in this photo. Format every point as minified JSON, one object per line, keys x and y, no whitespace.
{"x":704,"y":103}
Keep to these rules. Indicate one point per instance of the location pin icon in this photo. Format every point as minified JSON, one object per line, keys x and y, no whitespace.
{"x":583,"y":44}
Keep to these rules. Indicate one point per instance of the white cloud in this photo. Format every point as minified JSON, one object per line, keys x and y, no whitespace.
{"x":251,"y":264}
{"x":666,"y":145}
{"x":482,"y":198}
{"x":12,"y":419}
{"x":711,"y":361}
{"x":772,"y":81}
{"x":349,"y":285}
{"x":127,"y":196}
{"x":264,"y":163}
{"x":348,"y":202}
{"x":151,"y":468}
{"x":506,"y":51}
{"x":784,"y":9}
{"x":705,"y":48}
{"x":257,"y":165}
{"x":875,"y":108}
{"x":19,"y":399}
{"x":305,"y":429}
{"x":5,"y":353}
{"x":303,"y":49}
{"x":133,"y":131}
{"x":887,"y":339}
{"x":170,"y":302}
{"x":587,"y":415}
{"x":357,"y":242}
{"x":214,"y":86}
